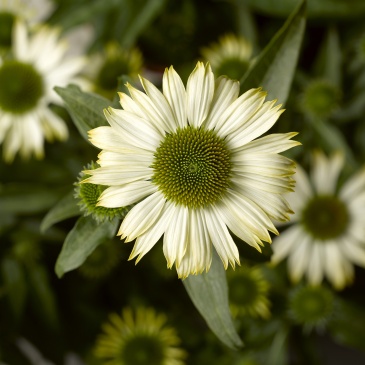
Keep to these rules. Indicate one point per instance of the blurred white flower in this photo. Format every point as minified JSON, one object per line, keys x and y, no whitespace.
{"x":328,"y":231}
{"x":27,"y":79}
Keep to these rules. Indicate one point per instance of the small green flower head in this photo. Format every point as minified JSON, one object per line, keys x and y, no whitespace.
{"x":102,"y":260}
{"x":230,"y":56}
{"x":26,"y":251}
{"x":88,"y":197}
{"x":321,"y":98}
{"x":140,"y":338}
{"x":311,"y":306}
{"x":248,"y":292}
{"x":113,"y":63}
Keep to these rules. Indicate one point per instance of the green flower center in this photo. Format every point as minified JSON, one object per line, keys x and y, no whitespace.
{"x":233,"y":68}
{"x":325,"y":217}
{"x":6,"y":26}
{"x":89,"y":195}
{"x":192,"y":167}
{"x":107,"y":78}
{"x":321,"y":98}
{"x":243,"y":290}
{"x":21,"y":87}
{"x":142,"y":350}
{"x":311,"y":305}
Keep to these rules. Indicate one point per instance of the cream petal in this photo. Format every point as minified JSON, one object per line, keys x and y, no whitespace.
{"x":133,"y":130}
{"x":273,"y":143}
{"x":220,"y":237}
{"x":32,"y":137}
{"x":53,"y":126}
{"x":174,"y":91}
{"x":128,"y":158}
{"x":176,"y":236}
{"x":105,"y":138}
{"x":5,"y":125}
{"x":353,"y":251}
{"x":147,"y":240}
{"x":354,"y":186}
{"x":122,"y":196}
{"x":259,"y":123}
{"x":141,"y":217}
{"x":286,"y":242}
{"x":299,"y":258}
{"x":149,"y":109}
{"x":239,"y":112}
{"x":315,"y":268}
{"x":161,"y":104}
{"x":112,"y":176}
{"x":200,"y":91}
{"x":20,"y":41}
{"x":333,"y":265}
{"x":198,"y":255}
{"x":325,"y":172}
{"x":226,"y":92}
{"x":130,"y":105}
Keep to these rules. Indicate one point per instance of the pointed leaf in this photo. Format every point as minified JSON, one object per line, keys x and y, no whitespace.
{"x":82,"y":241}
{"x":66,"y":208}
{"x":43,"y":295}
{"x":274,"y":68}
{"x":15,"y":285}
{"x":209,"y":293}
{"x":86,"y":109}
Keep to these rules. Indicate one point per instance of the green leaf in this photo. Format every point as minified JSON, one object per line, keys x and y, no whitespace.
{"x":82,"y":241}
{"x":15,"y":285}
{"x":328,"y":64}
{"x":27,"y":198}
{"x":141,"y":18}
{"x":274,"y":67}
{"x":209,"y":293}
{"x":86,"y":109}
{"x":66,"y":208}
{"x":43,"y":295}
{"x":316,"y":8}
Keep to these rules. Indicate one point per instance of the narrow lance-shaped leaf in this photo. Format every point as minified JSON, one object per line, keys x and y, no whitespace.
{"x":82,"y":241}
{"x":209,"y":293}
{"x":15,"y":285}
{"x":86,"y":109}
{"x":66,"y":208}
{"x":274,"y":68}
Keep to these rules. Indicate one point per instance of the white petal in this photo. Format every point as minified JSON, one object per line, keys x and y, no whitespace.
{"x":200,"y":90}
{"x":316,"y":263}
{"x":325,"y":172}
{"x":220,"y":237}
{"x":130,"y":105}
{"x":122,"y":196}
{"x":226,"y":92}
{"x":259,"y":123}
{"x":198,"y":255}
{"x":286,"y":242}
{"x":353,"y":186}
{"x":20,"y":41}
{"x":160,"y":103}
{"x":53,"y":126}
{"x":273,"y":143}
{"x":240,"y":112}
{"x":147,"y":240}
{"x":149,"y":110}
{"x":334,"y":266}
{"x":174,"y":91}
{"x":112,"y":176}
{"x":354,"y":251}
{"x":133,"y":130}
{"x":299,"y":258}
{"x":127,"y":158}
{"x":176,"y":235}
{"x":141,"y":217}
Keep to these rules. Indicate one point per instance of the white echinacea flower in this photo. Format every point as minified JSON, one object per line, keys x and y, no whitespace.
{"x":328,"y":231}
{"x":189,"y":159}
{"x":27,"y":79}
